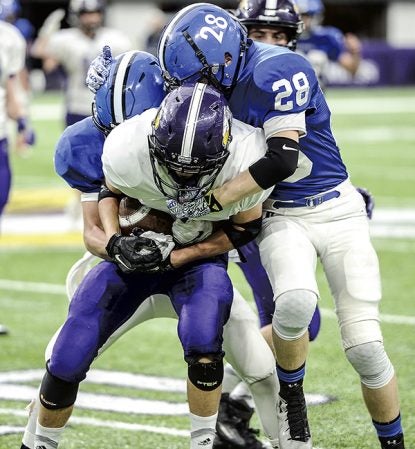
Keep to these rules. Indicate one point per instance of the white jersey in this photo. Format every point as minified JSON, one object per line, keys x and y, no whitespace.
{"x":12,"y":60}
{"x":126,"y":163}
{"x":75,"y":50}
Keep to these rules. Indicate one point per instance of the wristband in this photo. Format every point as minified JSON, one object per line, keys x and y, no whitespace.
{"x":212,"y":202}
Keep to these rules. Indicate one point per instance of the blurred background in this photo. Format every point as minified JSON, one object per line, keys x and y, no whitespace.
{"x":385,"y":28}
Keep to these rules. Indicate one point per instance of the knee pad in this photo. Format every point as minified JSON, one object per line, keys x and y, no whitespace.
{"x":293,"y":312}
{"x":56,"y":393}
{"x":206,"y":376}
{"x":371,"y":363}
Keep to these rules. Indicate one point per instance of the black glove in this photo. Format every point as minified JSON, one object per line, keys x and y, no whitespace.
{"x":369,"y":201}
{"x":133,"y":253}
{"x":155,"y":252}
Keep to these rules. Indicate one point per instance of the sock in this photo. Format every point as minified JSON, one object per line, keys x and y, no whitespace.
{"x":47,"y":438}
{"x":289,"y":379}
{"x":390,"y":434}
{"x":242,"y":392}
{"x":28,"y":440}
{"x":202,"y":431}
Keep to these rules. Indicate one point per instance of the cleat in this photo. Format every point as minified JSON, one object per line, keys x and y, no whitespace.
{"x":232,"y":428}
{"x":3,"y":330}
{"x":392,"y":443}
{"x":294,"y":432}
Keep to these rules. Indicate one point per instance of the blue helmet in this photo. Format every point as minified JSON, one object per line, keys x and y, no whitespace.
{"x":310,"y":7}
{"x":283,"y":14}
{"x":134,"y":84}
{"x":9,"y":8}
{"x":189,"y":141}
{"x":203,"y":41}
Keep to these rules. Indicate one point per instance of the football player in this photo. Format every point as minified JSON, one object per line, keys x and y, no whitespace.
{"x":134,"y":85}
{"x":190,"y":145}
{"x":314,"y":210}
{"x":274,"y":23}
{"x":74,"y":48}
{"x":12,"y":60}
{"x":325,"y":45}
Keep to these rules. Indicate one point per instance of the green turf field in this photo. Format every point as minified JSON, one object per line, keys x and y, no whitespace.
{"x":375,"y":130}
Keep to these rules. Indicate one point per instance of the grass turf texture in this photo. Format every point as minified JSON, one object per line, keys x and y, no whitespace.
{"x":377,"y":147}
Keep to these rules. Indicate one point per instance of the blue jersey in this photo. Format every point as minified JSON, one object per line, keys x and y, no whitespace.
{"x":26,"y":28}
{"x":78,"y":156}
{"x":278,"y":89}
{"x":329,"y":40}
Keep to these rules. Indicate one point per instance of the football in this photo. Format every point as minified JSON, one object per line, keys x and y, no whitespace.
{"x":132,"y":214}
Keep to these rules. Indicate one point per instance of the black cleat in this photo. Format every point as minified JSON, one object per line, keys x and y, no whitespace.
{"x":294,"y":431}
{"x":396,"y":442}
{"x":232,"y":428}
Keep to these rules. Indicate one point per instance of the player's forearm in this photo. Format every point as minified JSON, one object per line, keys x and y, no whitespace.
{"x":95,"y":241}
{"x":217,"y":243}
{"x":236,"y":189}
{"x":108,"y":213}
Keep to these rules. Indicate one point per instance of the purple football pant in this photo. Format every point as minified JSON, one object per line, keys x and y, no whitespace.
{"x":5,"y":174}
{"x":201,"y":294}
{"x":257,"y":279}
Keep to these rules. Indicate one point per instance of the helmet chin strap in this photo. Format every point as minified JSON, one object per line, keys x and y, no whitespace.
{"x":206,"y":69}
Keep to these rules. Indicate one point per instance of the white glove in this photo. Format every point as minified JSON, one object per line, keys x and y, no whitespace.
{"x":99,"y":70}
{"x":192,"y":231}
{"x":52,"y":23}
{"x":163,"y":242}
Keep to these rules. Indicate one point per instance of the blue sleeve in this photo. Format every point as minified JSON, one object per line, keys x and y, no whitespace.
{"x":331,"y":41}
{"x":26,"y":28}
{"x":285,"y":84}
{"x":78,"y":156}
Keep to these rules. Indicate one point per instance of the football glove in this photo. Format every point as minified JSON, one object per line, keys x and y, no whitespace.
{"x":196,"y":208}
{"x":158,"y":259}
{"x":133,"y":253}
{"x":99,"y":69}
{"x":368,"y":199}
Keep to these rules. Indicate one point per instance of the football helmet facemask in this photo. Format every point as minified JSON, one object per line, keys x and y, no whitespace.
{"x":283,"y":14}
{"x":203,"y":41}
{"x":189,"y":141}
{"x":134,"y":84}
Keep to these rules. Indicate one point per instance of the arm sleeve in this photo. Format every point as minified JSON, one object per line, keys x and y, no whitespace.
{"x":280,"y":162}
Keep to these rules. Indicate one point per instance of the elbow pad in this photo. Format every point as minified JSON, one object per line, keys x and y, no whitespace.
{"x":243,"y":233}
{"x":105,"y":192}
{"x":280,"y":162}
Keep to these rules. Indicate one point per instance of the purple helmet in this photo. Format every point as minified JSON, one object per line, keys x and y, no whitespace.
{"x":135,"y":84}
{"x":189,"y":143}
{"x":272,"y":13}
{"x":203,"y":41}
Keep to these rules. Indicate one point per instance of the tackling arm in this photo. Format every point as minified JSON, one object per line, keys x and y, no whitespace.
{"x":241,"y":229}
{"x":93,"y":234}
{"x":277,"y":164}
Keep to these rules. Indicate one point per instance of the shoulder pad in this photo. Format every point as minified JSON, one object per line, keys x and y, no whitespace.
{"x":279,"y":75}
{"x":78,"y":156}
